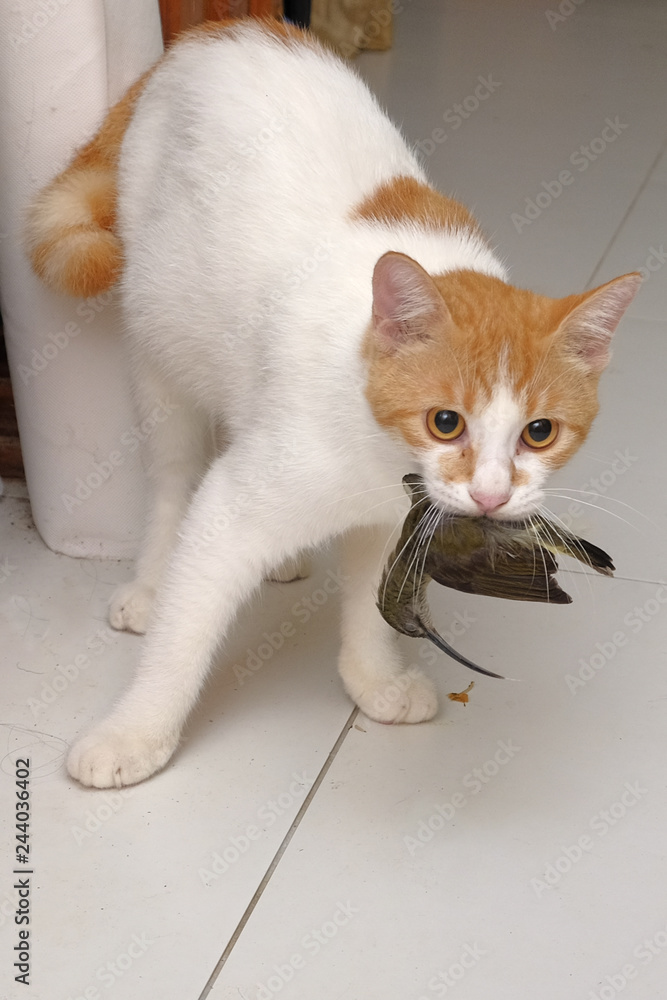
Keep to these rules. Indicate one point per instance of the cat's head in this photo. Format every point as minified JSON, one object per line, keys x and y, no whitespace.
{"x":491,"y":386}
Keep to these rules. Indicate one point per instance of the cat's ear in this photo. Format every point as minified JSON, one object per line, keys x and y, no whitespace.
{"x":587,"y":329}
{"x":406,"y":302}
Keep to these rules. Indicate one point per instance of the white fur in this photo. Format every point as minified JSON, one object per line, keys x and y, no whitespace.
{"x":494,"y":432}
{"x":247,"y":290}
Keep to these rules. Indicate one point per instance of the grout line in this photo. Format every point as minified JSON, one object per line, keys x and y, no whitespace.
{"x":278,"y":856}
{"x":630,"y":207}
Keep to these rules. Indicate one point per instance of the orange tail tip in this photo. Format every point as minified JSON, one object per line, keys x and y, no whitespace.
{"x":69,"y":232}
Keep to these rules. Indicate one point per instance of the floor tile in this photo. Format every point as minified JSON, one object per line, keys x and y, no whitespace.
{"x":163,"y":871}
{"x":550,"y":92}
{"x":512,"y":844}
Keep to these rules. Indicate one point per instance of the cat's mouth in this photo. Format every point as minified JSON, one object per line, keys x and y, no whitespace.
{"x":503,"y":515}
{"x":450,"y":510}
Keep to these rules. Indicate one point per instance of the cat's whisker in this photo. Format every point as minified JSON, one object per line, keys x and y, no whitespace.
{"x":597,"y":506}
{"x":553,"y":529}
{"x":601,"y":496}
{"x":381,"y":504}
{"x":407,"y":542}
{"x":415,"y":534}
{"x":546,"y":571}
{"x":397,"y":527}
{"x":361,"y":493}
{"x":555,"y":522}
{"x":603,"y":459}
{"x":435,"y":522}
{"x":563,"y":536}
{"x":530,"y":519}
{"x":414,"y":558}
{"x":431,"y":528}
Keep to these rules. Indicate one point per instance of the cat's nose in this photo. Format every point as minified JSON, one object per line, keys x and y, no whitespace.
{"x":489,"y":501}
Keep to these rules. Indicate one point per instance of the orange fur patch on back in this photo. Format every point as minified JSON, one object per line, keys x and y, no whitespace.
{"x":280,"y":30}
{"x":405,"y":199}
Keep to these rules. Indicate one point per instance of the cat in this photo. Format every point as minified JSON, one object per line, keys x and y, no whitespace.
{"x":289,"y":277}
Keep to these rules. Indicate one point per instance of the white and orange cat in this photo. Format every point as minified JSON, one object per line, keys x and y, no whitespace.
{"x":289,"y":278}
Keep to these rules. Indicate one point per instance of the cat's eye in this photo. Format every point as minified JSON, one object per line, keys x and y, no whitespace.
{"x":540,"y":433}
{"x":445,"y":425}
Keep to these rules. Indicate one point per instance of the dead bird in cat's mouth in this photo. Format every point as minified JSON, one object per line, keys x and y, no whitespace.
{"x":477,"y":555}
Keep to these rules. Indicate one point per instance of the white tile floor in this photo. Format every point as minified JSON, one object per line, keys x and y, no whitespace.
{"x":513,"y":848}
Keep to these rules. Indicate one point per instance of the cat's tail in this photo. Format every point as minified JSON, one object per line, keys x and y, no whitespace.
{"x":69,"y":234}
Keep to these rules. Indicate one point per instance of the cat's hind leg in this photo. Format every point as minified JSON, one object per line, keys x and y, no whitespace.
{"x":370,"y":663}
{"x":177,"y":444}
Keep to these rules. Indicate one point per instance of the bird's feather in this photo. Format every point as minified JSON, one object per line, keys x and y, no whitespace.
{"x":477,"y":555}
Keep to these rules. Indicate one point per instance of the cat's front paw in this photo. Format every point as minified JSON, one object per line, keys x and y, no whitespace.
{"x":130,"y":606}
{"x":408,"y":697}
{"x":111,"y":756}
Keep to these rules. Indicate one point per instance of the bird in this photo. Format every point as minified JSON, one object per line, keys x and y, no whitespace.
{"x":477,"y":555}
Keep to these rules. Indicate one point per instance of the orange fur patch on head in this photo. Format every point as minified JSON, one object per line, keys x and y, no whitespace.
{"x":495,"y":335}
{"x":405,"y":199}
{"x":458,"y":467}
